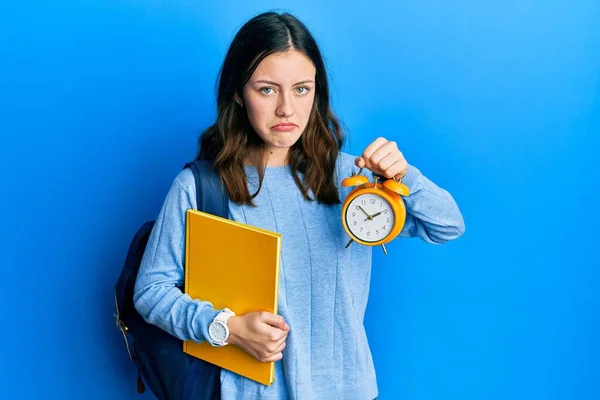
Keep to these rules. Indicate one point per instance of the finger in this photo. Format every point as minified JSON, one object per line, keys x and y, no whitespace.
{"x":276,"y":334}
{"x":270,"y":348}
{"x":281,"y":347}
{"x":377,"y":143}
{"x":273,"y":358}
{"x":274,"y":320}
{"x":388,"y":148}
{"x":402,"y":174}
{"x":360,"y":162}
{"x":400,"y":167}
{"x":398,"y":170}
{"x":389,"y":160}
{"x":282,"y":340}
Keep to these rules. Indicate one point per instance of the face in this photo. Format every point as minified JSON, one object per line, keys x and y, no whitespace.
{"x":278,"y":98}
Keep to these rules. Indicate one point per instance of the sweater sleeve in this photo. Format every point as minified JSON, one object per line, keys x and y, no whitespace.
{"x":432,"y":214}
{"x":157,"y":296}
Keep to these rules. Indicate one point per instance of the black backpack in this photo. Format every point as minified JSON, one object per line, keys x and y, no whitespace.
{"x":158,"y":356}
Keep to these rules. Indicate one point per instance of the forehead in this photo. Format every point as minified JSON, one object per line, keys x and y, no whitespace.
{"x":285,"y":67}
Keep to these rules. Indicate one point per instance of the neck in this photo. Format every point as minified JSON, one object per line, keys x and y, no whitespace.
{"x":277,"y":157}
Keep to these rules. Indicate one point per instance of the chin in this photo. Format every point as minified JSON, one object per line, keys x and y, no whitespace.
{"x":283,"y":143}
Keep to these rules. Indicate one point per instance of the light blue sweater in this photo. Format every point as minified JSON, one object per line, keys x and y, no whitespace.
{"x":324,"y":287}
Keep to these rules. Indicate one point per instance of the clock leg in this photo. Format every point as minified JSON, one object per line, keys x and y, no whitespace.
{"x":349,"y":243}
{"x":384,"y":250}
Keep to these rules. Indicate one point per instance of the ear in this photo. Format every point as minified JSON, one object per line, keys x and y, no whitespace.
{"x":238,"y":99}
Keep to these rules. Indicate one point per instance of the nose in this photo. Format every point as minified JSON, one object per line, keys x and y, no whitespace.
{"x":285,"y":107}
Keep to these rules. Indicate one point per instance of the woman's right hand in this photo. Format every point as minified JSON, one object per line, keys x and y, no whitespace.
{"x":261,"y":334}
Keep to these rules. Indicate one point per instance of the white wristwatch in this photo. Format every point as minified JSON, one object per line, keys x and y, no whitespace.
{"x":218,"y":329}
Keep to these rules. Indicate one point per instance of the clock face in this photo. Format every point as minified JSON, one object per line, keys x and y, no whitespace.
{"x":217,"y":332}
{"x":370,"y":217}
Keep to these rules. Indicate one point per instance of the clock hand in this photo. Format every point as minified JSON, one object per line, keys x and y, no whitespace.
{"x":363,"y":210}
{"x":374,"y":215}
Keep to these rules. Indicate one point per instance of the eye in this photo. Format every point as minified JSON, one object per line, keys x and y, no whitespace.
{"x":302,"y":90}
{"x":266,"y":90}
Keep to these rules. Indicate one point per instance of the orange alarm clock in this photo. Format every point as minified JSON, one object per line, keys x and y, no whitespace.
{"x":373,"y":213}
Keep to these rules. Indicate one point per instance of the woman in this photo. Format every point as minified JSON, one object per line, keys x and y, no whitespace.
{"x":277,"y":147}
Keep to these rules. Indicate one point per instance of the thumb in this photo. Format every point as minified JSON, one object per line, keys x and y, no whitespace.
{"x":360,"y":162}
{"x":274,"y":320}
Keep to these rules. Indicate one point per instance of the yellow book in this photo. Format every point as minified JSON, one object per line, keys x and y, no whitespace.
{"x":232,"y":265}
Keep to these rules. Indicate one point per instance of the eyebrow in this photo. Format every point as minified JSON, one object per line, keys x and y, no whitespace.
{"x":277,"y":84}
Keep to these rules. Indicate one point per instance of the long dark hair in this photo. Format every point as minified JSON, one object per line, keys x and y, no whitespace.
{"x":231,"y":140}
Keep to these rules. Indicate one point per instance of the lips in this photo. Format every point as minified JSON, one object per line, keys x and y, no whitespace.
{"x":284,"y":127}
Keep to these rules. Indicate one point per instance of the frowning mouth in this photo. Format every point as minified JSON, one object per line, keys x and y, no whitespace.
{"x":284,"y":127}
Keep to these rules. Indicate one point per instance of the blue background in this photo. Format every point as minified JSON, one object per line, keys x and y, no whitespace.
{"x":497,"y":101}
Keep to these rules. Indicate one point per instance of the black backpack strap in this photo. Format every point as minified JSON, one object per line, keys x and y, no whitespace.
{"x":201,"y":380}
{"x":211,"y":196}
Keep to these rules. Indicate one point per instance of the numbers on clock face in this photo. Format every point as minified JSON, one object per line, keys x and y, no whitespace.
{"x":369,"y":217}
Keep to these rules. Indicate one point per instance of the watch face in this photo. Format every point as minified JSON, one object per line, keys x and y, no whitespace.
{"x":217,"y":332}
{"x":369,"y":217}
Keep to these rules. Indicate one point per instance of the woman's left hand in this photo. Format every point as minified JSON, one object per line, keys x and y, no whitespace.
{"x":382,"y":157}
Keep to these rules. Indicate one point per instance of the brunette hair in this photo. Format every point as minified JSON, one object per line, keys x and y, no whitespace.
{"x":231,"y":141}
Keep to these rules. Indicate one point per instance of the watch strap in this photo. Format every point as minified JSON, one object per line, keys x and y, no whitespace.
{"x":224,"y":315}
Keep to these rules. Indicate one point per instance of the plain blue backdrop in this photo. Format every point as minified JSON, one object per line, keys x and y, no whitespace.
{"x":496,"y":101}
